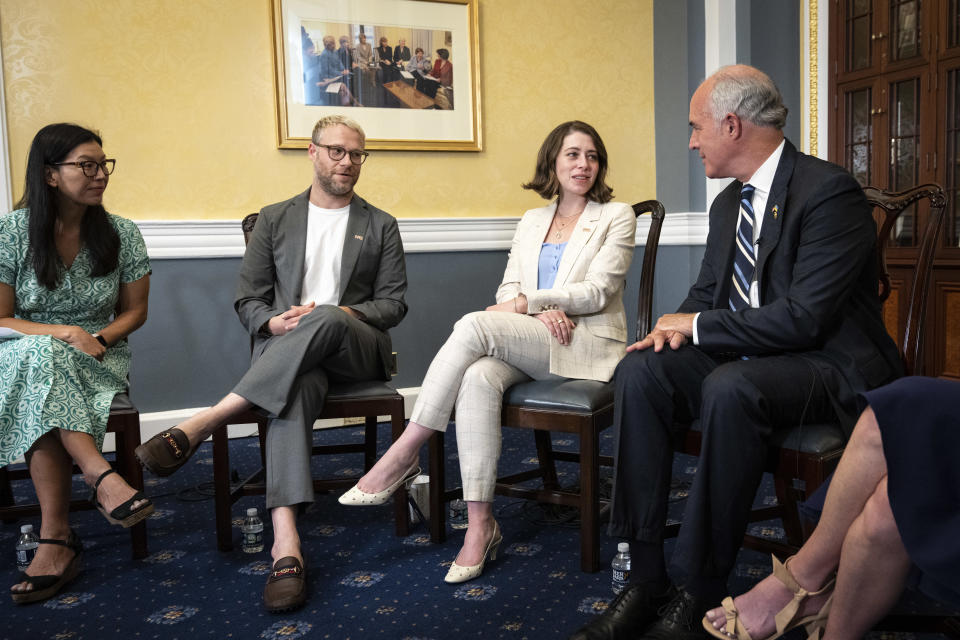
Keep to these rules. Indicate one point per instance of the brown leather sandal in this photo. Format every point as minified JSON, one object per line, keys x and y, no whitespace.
{"x":45,"y":587}
{"x":286,"y":586}
{"x":165,"y":452}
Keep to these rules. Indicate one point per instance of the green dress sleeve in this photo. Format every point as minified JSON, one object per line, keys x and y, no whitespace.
{"x":133,"y":262}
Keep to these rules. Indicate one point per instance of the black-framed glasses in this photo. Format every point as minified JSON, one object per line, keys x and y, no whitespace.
{"x":89,"y":167}
{"x":336,"y":153}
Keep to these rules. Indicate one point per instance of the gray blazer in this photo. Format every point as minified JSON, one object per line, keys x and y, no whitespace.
{"x":373,"y":276}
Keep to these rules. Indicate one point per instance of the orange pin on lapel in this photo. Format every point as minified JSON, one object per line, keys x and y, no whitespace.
{"x":776,"y":211}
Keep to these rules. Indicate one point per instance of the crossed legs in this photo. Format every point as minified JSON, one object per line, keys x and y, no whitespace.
{"x":486,"y":353}
{"x":856,"y":533}
{"x":290,"y":381}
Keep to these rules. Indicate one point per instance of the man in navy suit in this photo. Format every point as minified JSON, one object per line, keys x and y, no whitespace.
{"x":782,"y":326}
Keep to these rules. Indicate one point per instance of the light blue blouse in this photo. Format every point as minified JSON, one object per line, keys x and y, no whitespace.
{"x":550,"y":255}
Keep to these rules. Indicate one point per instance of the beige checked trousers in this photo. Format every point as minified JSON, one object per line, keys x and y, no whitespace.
{"x":487,"y":352}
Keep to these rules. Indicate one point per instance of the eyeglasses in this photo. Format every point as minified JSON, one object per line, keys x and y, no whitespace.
{"x":89,"y":167}
{"x":337,"y":153}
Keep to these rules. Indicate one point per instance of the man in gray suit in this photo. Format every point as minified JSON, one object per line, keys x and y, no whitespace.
{"x":323,"y":279}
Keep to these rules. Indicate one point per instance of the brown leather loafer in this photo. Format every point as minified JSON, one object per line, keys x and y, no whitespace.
{"x":286,"y":586}
{"x":165,"y":452}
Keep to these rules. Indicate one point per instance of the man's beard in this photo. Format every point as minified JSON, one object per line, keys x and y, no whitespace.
{"x":335,"y":188}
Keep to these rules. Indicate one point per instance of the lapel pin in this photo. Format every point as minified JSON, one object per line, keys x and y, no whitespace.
{"x":776,"y":211}
{"x":356,"y":237}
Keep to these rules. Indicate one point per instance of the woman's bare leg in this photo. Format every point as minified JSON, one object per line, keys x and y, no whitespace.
{"x":873,"y":569}
{"x":397,"y":459}
{"x":860,"y":471}
{"x":51,"y":471}
{"x":113,"y":490}
{"x":480,"y":524}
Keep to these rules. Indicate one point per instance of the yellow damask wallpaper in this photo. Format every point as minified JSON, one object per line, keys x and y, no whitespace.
{"x":182,"y":91}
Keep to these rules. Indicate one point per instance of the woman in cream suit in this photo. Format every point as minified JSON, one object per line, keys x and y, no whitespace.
{"x":559,"y":312}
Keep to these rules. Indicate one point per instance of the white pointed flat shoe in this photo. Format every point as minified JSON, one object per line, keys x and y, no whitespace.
{"x":357,"y":497}
{"x":458,"y":574}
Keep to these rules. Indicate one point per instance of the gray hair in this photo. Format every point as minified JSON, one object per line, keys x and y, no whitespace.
{"x":748,"y":93}
{"x":330,"y":121}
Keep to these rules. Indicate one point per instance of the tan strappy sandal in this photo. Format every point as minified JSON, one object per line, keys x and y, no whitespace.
{"x":786,"y":619}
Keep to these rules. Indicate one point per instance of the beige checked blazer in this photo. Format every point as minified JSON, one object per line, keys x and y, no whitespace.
{"x":588,"y":288}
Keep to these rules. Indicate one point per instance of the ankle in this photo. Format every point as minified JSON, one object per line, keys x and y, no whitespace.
{"x":810,"y":577}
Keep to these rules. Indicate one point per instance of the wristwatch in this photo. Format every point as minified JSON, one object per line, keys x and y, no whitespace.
{"x":100,"y":339}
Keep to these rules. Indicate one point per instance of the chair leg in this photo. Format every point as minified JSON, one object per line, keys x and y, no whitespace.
{"x":6,"y":494}
{"x":788,"y":498}
{"x":127,"y":440}
{"x":589,"y":499}
{"x":438,"y":486}
{"x":369,"y":443}
{"x":400,"y":509}
{"x":221,"y":489}
{"x":545,"y":456}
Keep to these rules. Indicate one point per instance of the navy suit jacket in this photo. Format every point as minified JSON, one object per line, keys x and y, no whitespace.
{"x":817,"y":275}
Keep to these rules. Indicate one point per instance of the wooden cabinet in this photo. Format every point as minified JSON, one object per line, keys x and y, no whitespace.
{"x":894,"y":124}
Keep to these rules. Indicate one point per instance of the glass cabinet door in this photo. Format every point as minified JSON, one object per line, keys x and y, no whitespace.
{"x":952,"y":158}
{"x":905,"y":29}
{"x":904,"y":135}
{"x":858,"y":130}
{"x":859,"y":36}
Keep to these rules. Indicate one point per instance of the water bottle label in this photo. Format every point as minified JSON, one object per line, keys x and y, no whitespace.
{"x":621,"y":575}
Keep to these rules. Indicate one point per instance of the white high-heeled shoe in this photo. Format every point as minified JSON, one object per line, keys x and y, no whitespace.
{"x":458,"y":573}
{"x":357,"y":497}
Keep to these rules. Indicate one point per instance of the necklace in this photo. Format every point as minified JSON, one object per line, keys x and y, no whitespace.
{"x":561,"y":227}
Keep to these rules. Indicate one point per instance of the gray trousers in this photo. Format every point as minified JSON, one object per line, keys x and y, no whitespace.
{"x":290,"y":380}
{"x":488,"y":352}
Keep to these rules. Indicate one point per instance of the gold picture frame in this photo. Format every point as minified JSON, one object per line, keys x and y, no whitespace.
{"x":328,"y":59}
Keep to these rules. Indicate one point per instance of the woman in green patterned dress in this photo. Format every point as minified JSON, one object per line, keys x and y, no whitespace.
{"x":74,"y":281}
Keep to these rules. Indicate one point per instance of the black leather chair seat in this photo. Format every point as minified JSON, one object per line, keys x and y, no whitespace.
{"x":583,"y":396}
{"x":816,"y":439}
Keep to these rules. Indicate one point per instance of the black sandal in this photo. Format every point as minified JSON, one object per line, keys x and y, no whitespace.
{"x":122,"y":515}
{"x":45,"y":587}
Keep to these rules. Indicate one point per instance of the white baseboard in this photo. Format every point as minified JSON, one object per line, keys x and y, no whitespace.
{"x":158,"y":421}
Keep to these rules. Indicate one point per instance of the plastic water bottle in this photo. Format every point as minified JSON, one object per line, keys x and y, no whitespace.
{"x":621,"y":567}
{"x":252,"y":532}
{"x":27,"y":545}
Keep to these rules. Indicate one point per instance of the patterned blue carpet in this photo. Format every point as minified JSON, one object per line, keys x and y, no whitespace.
{"x":364,"y":582}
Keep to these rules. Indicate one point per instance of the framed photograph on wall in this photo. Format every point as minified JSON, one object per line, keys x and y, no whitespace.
{"x":407,"y":70}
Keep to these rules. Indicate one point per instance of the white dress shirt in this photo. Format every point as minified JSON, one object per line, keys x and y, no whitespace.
{"x":762,"y":181}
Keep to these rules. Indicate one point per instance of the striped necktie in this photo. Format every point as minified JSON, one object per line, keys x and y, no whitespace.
{"x":743,"y":257}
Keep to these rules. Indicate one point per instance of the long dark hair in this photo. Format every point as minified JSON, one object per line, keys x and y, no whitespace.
{"x":545,"y":176}
{"x":52,"y":144}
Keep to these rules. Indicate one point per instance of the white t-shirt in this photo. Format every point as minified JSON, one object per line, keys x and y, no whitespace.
{"x":326,"y":229}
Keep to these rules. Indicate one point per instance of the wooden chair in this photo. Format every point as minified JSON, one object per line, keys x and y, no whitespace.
{"x":124,"y":423}
{"x":809,"y":454}
{"x":362,"y":399}
{"x":582,"y":407}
